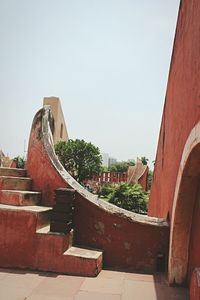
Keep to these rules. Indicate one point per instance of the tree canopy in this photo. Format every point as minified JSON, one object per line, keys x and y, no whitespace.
{"x":81,"y":159}
{"x":144,"y":160}
{"x":121,"y":166}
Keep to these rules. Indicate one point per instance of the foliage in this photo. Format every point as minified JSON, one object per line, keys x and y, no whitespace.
{"x":144,"y":160}
{"x":106,"y":189}
{"x":129,"y":196}
{"x":149,"y":180}
{"x":20,"y":163}
{"x":131,"y":162}
{"x":121,"y":166}
{"x":81,"y":159}
{"x":104,"y":169}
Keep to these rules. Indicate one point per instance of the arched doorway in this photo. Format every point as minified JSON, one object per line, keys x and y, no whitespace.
{"x":186,"y":194}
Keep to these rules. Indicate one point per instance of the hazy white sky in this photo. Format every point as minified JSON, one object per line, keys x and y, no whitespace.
{"x":107,"y":60}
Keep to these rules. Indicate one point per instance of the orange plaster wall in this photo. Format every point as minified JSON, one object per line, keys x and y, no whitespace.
{"x":22,"y":247}
{"x":126,"y":244}
{"x":182,"y":108}
{"x":40,"y":168}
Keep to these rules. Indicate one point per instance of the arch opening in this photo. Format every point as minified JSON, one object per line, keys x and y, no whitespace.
{"x":186,"y":196}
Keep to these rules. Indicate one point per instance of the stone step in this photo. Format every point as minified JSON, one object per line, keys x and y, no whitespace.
{"x":13,"y":172}
{"x":47,"y":236}
{"x":41,"y":215}
{"x":20,"y":198}
{"x":15,"y":183}
{"x":83,"y":261}
{"x":74,"y":261}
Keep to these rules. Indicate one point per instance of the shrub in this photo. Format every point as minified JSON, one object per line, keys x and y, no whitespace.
{"x":106,"y":190}
{"x":130,"y":197}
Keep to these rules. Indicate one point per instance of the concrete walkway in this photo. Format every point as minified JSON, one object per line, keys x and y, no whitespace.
{"x":109,"y":285}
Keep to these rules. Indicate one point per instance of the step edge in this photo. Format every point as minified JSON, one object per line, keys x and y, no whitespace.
{"x":22,"y":192}
{"x":30,"y":209}
{"x":98,"y":254}
{"x":15,"y":177}
{"x":7,"y":168}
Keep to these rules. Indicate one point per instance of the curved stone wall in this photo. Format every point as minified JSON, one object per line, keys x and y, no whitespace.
{"x":129,"y":240}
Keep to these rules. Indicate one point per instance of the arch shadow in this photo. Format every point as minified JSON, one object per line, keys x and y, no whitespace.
{"x":186,"y":190}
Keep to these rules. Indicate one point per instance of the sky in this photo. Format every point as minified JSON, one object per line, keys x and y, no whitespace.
{"x":107,"y":61}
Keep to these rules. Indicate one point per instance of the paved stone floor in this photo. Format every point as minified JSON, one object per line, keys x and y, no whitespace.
{"x":109,"y":285}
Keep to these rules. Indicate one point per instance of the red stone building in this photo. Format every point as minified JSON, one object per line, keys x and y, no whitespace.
{"x":176,"y":183}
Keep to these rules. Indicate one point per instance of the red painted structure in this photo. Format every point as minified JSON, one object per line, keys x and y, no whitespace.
{"x":110,"y":177}
{"x":119,"y":177}
{"x":181,"y":110}
{"x":23,"y":245}
{"x":195,"y":285}
{"x":96,"y":223}
{"x":143,"y":179}
{"x":175,"y":188}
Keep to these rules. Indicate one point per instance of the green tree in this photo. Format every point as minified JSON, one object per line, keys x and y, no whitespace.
{"x":121,"y":166}
{"x":130,"y":196}
{"x":81,"y":159}
{"x":144,"y":160}
{"x":104,"y":169}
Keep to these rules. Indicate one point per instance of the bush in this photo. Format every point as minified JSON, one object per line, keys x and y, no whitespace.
{"x":106,"y":190}
{"x":130,"y":197}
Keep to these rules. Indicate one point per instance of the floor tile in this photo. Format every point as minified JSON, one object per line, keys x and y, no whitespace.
{"x":109,"y":285}
{"x":13,"y":293}
{"x":103,"y":285}
{"x":141,"y":290}
{"x":29,"y":280}
{"x":61,"y":286}
{"x":138,"y":290}
{"x":43,"y":297}
{"x":96,"y":296}
{"x":139,"y":277}
{"x":111,"y":274}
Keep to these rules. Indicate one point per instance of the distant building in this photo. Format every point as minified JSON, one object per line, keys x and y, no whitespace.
{"x":111,"y":161}
{"x":105,"y":159}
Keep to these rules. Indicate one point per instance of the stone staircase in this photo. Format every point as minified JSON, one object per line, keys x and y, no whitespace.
{"x":25,"y":225}
{"x":15,"y":188}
